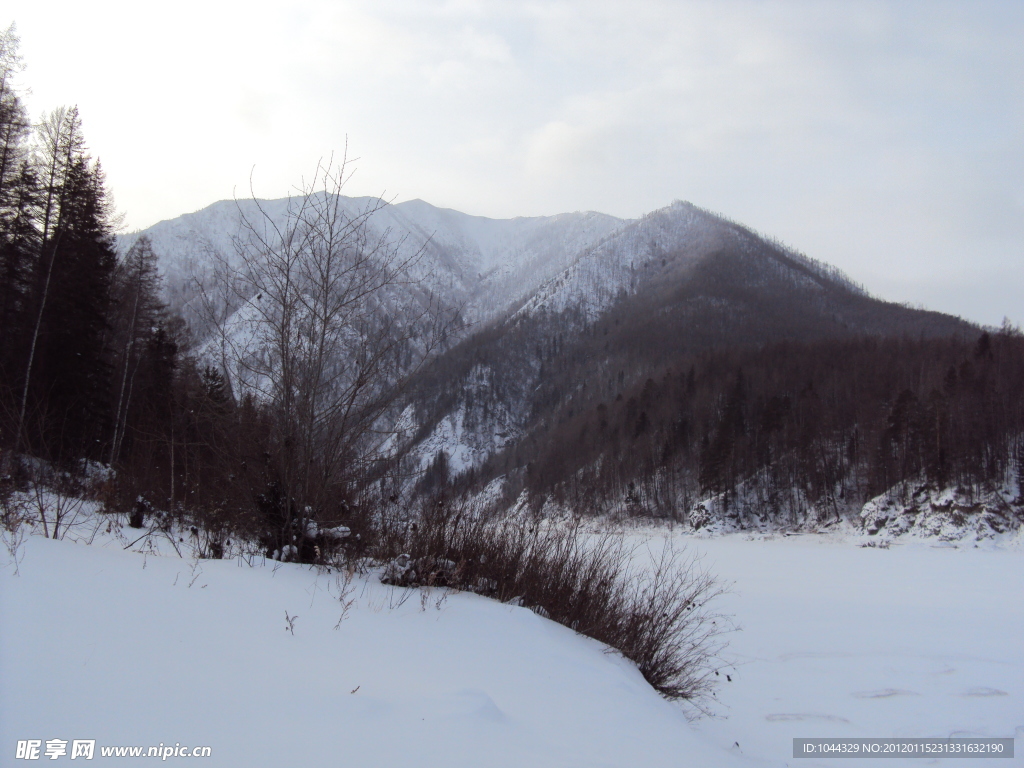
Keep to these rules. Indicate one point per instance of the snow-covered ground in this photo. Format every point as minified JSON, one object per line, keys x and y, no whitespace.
{"x":836,"y":640}
{"x":924,"y":639}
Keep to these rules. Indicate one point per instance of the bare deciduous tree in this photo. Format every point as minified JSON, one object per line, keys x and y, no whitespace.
{"x":330,"y":322}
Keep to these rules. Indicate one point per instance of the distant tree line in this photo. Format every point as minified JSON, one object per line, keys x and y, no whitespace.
{"x":783,"y":431}
{"x":685,"y":391}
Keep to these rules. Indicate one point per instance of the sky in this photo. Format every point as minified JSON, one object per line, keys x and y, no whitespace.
{"x":886,"y":138}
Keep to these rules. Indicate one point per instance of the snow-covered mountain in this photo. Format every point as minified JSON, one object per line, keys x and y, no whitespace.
{"x":496,"y":267}
{"x":481,"y":264}
{"x":676,"y":281}
{"x":563,"y":314}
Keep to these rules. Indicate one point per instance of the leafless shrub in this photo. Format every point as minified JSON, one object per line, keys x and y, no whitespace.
{"x":345,"y":588}
{"x":15,"y":518}
{"x":657,"y":616}
{"x":58,"y":500}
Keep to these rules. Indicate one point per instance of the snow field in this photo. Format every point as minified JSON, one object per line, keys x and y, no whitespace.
{"x":114,"y":646}
{"x":835,"y":640}
{"x":920,"y":640}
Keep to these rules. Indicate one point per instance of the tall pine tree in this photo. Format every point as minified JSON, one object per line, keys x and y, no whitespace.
{"x":64,"y":408}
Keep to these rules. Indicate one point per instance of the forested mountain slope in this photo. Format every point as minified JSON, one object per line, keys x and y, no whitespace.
{"x":686,"y":367}
{"x":676,"y":365}
{"x":677,"y":283}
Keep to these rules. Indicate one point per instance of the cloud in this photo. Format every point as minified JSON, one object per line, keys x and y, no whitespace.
{"x":881,"y":136}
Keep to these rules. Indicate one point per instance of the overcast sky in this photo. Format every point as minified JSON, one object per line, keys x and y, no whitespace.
{"x":886,"y":138}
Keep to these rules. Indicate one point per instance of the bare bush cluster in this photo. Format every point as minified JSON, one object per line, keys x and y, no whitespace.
{"x":656,"y":614}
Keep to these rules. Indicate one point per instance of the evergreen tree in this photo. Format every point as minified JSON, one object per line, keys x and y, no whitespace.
{"x":66,"y":386}
{"x":18,"y":235}
{"x":137,"y":316}
{"x":14,"y":123}
{"x":19,"y":250}
{"x":75,"y":360}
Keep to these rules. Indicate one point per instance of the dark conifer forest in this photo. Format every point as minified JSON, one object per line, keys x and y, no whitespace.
{"x":779,"y":430}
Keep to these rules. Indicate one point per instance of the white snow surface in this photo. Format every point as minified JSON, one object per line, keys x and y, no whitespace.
{"x":836,"y":640}
{"x":133,"y":649}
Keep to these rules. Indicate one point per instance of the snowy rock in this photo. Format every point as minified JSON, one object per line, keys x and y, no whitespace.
{"x":404,"y":571}
{"x":484,"y":586}
{"x":946,"y":514}
{"x":397,"y":571}
{"x":338,"y":533}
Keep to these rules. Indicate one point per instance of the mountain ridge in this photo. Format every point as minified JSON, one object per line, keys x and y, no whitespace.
{"x":479,"y":262}
{"x":605,"y":356}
